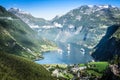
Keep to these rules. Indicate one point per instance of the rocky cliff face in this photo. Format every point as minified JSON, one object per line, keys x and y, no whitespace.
{"x":84,"y":26}
{"x":109,"y":44}
{"x":112,"y":73}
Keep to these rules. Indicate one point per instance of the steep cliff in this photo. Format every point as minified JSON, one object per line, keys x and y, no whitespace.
{"x":109,"y":45}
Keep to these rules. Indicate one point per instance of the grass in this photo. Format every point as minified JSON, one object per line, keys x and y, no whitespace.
{"x":16,"y":68}
{"x":81,"y":65}
{"x":18,"y":38}
{"x":97,"y":68}
{"x":92,"y":72}
{"x":68,"y":76}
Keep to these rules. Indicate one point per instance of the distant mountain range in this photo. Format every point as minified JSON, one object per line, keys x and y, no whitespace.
{"x":85,"y":25}
{"x":86,"y":22}
{"x":18,"y":44}
{"x":16,"y":37}
{"x":96,"y":28}
{"x":32,"y":21}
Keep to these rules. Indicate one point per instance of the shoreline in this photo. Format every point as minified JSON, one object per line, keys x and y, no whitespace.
{"x":41,"y":57}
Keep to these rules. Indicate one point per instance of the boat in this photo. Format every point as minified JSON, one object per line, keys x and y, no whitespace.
{"x":82,"y":50}
{"x":59,"y":50}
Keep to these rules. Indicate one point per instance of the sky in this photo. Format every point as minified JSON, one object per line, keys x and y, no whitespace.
{"x":48,"y":9}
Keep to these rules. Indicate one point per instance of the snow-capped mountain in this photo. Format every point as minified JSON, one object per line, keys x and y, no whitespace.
{"x":17,"y":10}
{"x":32,"y":21}
{"x":88,"y":23}
{"x":85,"y":25}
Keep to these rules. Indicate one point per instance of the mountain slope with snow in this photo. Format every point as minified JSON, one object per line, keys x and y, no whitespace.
{"x":32,"y":21}
{"x":88,"y":23}
{"x":16,"y":37}
{"x":84,"y":26}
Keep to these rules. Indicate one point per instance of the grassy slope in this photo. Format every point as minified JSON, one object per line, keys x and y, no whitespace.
{"x":18,"y":38}
{"x":97,"y":68}
{"x":100,"y":66}
{"x":15,"y":68}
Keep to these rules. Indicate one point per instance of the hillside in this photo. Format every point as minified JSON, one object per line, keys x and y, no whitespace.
{"x":109,"y":46}
{"x":32,"y":21}
{"x":18,"y":38}
{"x":85,"y":25}
{"x":15,"y":68}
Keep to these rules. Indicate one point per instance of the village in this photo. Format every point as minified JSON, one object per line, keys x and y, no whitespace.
{"x":87,"y":71}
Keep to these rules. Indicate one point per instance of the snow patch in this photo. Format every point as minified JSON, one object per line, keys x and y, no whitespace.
{"x":71,"y":26}
{"x":91,"y":6}
{"x":18,"y":10}
{"x":97,"y":15}
{"x":57,"y":25}
{"x":78,"y":30}
{"x":33,"y":26}
{"x":103,"y":26}
{"x":9,"y":18}
{"x":23,"y":12}
{"x":71,"y":14}
{"x":104,"y":6}
{"x":47,"y":26}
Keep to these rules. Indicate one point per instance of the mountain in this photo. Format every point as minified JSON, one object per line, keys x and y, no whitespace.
{"x":83,"y":26}
{"x":33,"y":22}
{"x":16,"y":37}
{"x":88,"y":23}
{"x":16,"y":68}
{"x":109,"y":45}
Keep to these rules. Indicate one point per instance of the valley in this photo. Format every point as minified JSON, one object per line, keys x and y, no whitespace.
{"x":82,"y":44}
{"x":82,"y":28}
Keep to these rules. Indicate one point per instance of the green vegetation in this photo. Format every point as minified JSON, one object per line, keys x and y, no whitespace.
{"x":117,"y":34}
{"x":97,"y":68}
{"x":68,"y":76}
{"x":32,"y":20}
{"x":90,"y":70}
{"x":18,"y":38}
{"x":82,"y":65}
{"x":16,"y":68}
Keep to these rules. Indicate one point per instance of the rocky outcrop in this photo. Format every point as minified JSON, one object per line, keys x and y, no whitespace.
{"x":112,"y":73}
{"x":109,"y":44}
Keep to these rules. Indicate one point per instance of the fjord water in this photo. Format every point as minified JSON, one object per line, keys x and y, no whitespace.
{"x":67,"y":54}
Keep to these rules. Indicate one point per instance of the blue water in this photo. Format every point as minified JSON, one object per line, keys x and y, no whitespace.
{"x":75,"y":56}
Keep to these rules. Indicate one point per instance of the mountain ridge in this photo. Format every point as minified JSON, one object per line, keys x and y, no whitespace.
{"x":18,"y":38}
{"x":108,"y":47}
{"x":13,"y":67}
{"x":32,"y":21}
{"x":85,"y":25}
